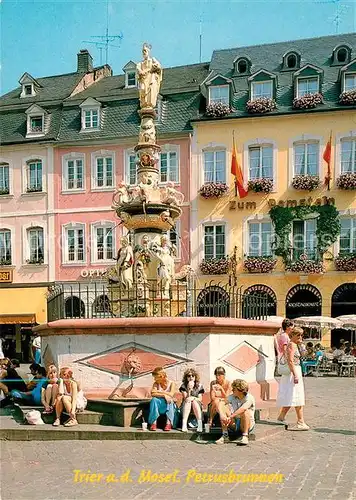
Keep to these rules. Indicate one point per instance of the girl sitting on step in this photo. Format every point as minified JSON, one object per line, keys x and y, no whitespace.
{"x":70,"y":398}
{"x":50,"y":390}
{"x":192,"y":392}
{"x":162,"y":403}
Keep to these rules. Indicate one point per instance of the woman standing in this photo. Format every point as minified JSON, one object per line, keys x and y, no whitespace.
{"x":291,"y":386}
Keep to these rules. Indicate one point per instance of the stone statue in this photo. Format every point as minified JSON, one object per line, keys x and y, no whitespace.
{"x":147,"y":131}
{"x":165,"y":270}
{"x":170,"y":195}
{"x":125,"y":260}
{"x":149,"y":73}
{"x":121,"y":195}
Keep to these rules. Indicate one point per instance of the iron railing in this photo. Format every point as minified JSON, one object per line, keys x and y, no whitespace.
{"x":95,"y":300}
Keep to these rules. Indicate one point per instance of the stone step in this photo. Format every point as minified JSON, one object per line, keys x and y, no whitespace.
{"x":86,"y":417}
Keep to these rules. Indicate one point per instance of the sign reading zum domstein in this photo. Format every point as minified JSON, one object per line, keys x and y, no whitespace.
{"x":6,"y":275}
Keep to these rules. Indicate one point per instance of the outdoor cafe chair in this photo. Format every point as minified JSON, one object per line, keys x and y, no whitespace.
{"x":347,"y":366}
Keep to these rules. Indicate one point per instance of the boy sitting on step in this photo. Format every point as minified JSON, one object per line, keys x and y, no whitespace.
{"x":240,"y":413}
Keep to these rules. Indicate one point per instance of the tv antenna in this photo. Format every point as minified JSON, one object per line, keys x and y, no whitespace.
{"x":103,"y":42}
{"x":339,"y":11}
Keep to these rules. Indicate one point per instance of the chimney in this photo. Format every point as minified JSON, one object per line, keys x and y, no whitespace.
{"x":85,"y":61}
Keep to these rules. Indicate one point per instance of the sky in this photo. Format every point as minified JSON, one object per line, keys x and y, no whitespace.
{"x":44,"y":37}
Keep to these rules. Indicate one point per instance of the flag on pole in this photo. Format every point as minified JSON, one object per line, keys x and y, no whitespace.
{"x":237,"y":172}
{"x":327,"y":159}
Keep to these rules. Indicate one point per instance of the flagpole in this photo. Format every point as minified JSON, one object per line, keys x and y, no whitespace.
{"x":234,"y":151}
{"x":329,"y":164}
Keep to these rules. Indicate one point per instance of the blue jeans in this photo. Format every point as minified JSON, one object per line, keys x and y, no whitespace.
{"x":38,"y":356}
{"x":31,"y":399}
{"x":159,"y":406}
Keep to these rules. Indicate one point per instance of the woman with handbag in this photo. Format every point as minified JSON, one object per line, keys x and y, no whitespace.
{"x":291,"y":385}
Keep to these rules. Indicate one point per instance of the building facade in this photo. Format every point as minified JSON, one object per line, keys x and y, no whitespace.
{"x":293,"y":237}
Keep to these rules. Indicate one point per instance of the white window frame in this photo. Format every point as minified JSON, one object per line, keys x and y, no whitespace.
{"x":306,"y":78}
{"x":3,"y":166}
{"x":168,"y":149}
{"x":247,"y":246}
{"x":255,"y":84}
{"x":127,"y":154}
{"x":65,"y":248}
{"x":306,"y":143}
{"x":29,"y":230}
{"x":8,"y":230}
{"x":90,"y":105}
{"x":261,"y":147}
{"x":224,"y":100}
{"x":214,"y":150}
{"x":38,"y":133}
{"x":353,"y":75}
{"x":127,"y":73}
{"x":65,"y":159}
{"x":23,"y":91}
{"x":215,"y":224}
{"x":28,"y":169}
{"x":254,"y":143}
{"x":305,"y":222}
{"x":350,"y":135}
{"x":105,"y":224}
{"x":353,"y":240}
{"x":353,"y":154}
{"x":94,"y":178}
{"x":178,"y":240}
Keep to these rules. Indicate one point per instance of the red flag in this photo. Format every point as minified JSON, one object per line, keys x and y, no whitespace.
{"x":327,"y":159}
{"x":237,"y":173}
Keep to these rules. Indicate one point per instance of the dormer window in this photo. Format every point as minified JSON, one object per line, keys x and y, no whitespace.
{"x":350,"y":82}
{"x":242,"y":65}
{"x":28,"y":89}
{"x":29,"y":85}
{"x":91,"y":111}
{"x":291,"y":60}
{"x":219,"y":93}
{"x":130,"y":75}
{"x":262,"y":89}
{"x":341,"y":55}
{"x":307,"y":86}
{"x":36,"y":124}
{"x":35,"y":121}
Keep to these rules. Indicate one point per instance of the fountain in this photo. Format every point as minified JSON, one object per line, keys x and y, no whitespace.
{"x":154,"y":318}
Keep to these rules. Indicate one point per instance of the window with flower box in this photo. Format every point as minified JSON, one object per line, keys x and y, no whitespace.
{"x":219,"y":93}
{"x":350,"y":82}
{"x":348,"y":156}
{"x":261,"y":89}
{"x":36,"y":124}
{"x":304,"y":240}
{"x":306,"y":158}
{"x":104,"y":172}
{"x":261,"y":162}
{"x":348,"y":236}
{"x":104,"y":242}
{"x":34,"y":176}
{"x":259,"y":239}
{"x":5,"y":247}
{"x":35,"y":245}
{"x":4,"y":178}
{"x":131,"y":169}
{"x":169,"y":166}
{"x":214,"y":241}
{"x":74,"y":244}
{"x":307,"y":86}
{"x":215,"y":166}
{"x":74,"y":174}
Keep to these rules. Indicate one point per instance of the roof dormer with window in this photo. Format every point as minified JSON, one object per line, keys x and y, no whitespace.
{"x":29,"y":86}
{"x":341,"y":55}
{"x":291,"y":60}
{"x":242,"y":66}
{"x":130,"y":75}
{"x":308,"y":80}
{"x":37,"y":120}
{"x":90,"y":115}
{"x":218,"y":90}
{"x":348,"y":77}
{"x":262,"y":84}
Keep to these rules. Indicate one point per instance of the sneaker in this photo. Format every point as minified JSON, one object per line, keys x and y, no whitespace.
{"x":168,"y":427}
{"x":243,"y":440}
{"x":222,"y":440}
{"x":153,"y":427}
{"x":185,"y":429}
{"x":71,"y":422}
{"x":56,"y":423}
{"x":200,"y":426}
{"x":302,"y":426}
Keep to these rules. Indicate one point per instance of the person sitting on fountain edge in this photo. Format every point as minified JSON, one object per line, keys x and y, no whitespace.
{"x":162,"y":403}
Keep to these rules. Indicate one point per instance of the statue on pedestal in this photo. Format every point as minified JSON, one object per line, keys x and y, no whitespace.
{"x":149,"y":73}
{"x":125,"y":260}
{"x":165,"y":270}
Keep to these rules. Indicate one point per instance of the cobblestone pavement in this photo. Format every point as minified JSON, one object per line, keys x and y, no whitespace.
{"x":318,"y":464}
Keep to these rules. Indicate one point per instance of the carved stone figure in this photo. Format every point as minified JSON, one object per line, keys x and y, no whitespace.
{"x":125,"y":260}
{"x":149,"y":73}
{"x":170,"y":195}
{"x":121,"y":195}
{"x":165,"y":269}
{"x":147,"y":131}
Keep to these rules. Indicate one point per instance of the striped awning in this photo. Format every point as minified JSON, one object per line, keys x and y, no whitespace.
{"x":17,"y":319}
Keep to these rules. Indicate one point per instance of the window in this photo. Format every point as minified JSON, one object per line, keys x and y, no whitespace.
{"x":169,"y":167}
{"x":348,"y":236}
{"x":304,"y":239}
{"x":262,"y":89}
{"x":174,"y":237}
{"x":36,"y":124}
{"x":34,"y":176}
{"x":5,"y":247}
{"x":219,"y":93}
{"x":131,"y":171}
{"x":307,"y":86}
{"x":131,"y":79}
{"x":306,"y":158}
{"x":35,"y":244}
{"x":341,"y":55}
{"x":4,"y":178}
{"x":27,"y":89}
{"x":350,"y":82}
{"x":259,"y":239}
{"x":260,"y":162}
{"x":348,"y":156}
{"x":74,"y":244}
{"x":214,"y":242}
{"x":104,"y":175}
{"x":104,"y":243}
{"x":91,"y":118}
{"x":214,"y":166}
{"x":291,"y":61}
{"x":242,"y":66}
{"x":74,"y":174}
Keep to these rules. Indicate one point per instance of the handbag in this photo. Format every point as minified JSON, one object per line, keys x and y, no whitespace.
{"x":283,"y":367}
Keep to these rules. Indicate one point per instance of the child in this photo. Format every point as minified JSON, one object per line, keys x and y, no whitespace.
{"x":70,"y":397}
{"x":162,"y":403}
{"x":50,"y":390}
{"x":241,"y":413}
{"x":192,"y":392}
{"x":220,"y":389}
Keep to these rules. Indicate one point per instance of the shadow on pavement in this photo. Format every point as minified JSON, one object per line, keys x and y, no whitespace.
{"x":334,"y":431}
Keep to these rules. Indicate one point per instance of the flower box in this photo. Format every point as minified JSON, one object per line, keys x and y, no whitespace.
{"x":307,"y":101}
{"x":346,"y":262}
{"x":306,"y":266}
{"x":347,"y":181}
{"x":4,"y":191}
{"x":348,"y":98}
{"x":5,"y":262}
{"x":34,"y":261}
{"x":214,"y":266}
{"x":261,"y":185}
{"x":217,"y":110}
{"x":213,"y":190}
{"x":261,"y":105}
{"x":260,"y":264}
{"x":306,"y":182}
{"x":34,"y":190}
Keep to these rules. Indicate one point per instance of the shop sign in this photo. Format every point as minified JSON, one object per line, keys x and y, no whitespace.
{"x":93,"y":273}
{"x":304,"y":202}
{"x":6,"y":275}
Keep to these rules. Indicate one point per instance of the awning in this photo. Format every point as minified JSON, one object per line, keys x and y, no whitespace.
{"x":16,"y":319}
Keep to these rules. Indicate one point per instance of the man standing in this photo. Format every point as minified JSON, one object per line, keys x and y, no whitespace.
{"x":36,"y":349}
